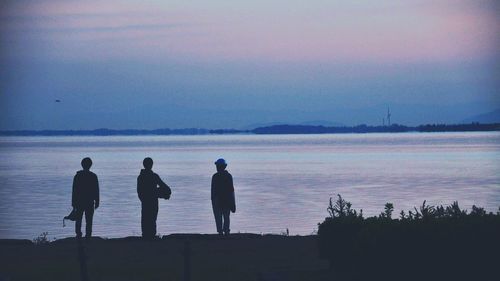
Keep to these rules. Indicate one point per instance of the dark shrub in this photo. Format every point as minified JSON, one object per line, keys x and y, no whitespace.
{"x":433,"y":243}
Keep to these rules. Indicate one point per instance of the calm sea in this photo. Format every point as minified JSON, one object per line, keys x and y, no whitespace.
{"x":281,"y":181}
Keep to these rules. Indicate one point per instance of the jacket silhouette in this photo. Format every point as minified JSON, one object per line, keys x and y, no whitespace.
{"x":85,"y":197}
{"x":222,"y":195}
{"x":223,"y":190}
{"x":148,"y":190}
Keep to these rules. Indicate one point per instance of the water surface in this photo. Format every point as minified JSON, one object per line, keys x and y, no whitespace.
{"x":281,"y":181}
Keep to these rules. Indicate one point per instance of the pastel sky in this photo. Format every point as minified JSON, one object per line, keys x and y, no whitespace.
{"x":214,"y":64}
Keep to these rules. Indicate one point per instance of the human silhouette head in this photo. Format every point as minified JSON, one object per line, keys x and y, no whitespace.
{"x":86,"y":163}
{"x":147,"y":163}
{"x":220,"y":164}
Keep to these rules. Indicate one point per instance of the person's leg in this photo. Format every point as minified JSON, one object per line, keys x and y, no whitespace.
{"x":78,"y":222}
{"x":226,"y":214}
{"x":148,"y":219}
{"x":154,"y":216}
{"x":217,"y":216}
{"x":144,"y":220}
{"x":89,"y":216}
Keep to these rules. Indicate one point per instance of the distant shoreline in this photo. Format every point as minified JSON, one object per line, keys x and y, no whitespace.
{"x":268,"y":130}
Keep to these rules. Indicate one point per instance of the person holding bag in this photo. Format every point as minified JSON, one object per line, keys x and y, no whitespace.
{"x":85,"y":198}
{"x":150,"y":187}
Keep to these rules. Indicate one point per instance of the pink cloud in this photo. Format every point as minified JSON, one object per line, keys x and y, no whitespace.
{"x":333,"y":31}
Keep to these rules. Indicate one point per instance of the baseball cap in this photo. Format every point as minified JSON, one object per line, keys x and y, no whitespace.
{"x":220,"y":161}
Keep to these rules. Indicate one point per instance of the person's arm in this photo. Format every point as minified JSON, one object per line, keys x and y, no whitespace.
{"x":162,"y":184}
{"x":212,"y":188}
{"x":97,"y":192}
{"x":73,"y":193}
{"x":139,"y":189}
{"x":233,"y":197}
{"x":231,"y":185}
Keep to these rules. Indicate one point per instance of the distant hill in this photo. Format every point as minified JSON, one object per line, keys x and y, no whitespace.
{"x":106,"y":132}
{"x":275,"y":129}
{"x":306,"y":123}
{"x":322,"y":123}
{"x":394,"y":128}
{"x":305,"y":129}
{"x":490,"y":117}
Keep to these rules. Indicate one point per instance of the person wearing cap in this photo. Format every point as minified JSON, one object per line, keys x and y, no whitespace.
{"x":223,"y":199}
{"x":85,"y":197}
{"x":148,"y":186}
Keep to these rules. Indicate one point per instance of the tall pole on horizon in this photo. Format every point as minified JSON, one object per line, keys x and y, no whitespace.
{"x":388,"y":117}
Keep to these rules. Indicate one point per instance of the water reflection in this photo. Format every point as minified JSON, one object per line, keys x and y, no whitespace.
{"x":281,"y":181}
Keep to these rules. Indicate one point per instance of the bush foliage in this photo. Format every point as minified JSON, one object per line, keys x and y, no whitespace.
{"x":42,"y":239}
{"x":428,"y":242}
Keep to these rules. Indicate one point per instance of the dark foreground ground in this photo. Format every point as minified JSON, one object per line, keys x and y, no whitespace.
{"x":209,"y":257}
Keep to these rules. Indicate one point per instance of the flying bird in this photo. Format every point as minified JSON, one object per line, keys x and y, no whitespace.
{"x":58,"y":100}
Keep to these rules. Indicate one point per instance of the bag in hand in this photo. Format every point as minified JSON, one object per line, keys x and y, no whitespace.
{"x":71,"y":217}
{"x":164,"y":192}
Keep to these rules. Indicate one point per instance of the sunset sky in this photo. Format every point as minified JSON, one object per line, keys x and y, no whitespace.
{"x":222,"y":64}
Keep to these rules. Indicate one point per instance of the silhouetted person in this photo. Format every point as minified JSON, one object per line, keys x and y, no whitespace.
{"x":148,"y":183}
{"x":222,"y":193}
{"x":85,"y":197}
